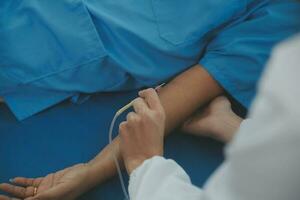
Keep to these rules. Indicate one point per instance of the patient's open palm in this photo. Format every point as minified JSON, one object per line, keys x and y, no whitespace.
{"x":66,"y":184}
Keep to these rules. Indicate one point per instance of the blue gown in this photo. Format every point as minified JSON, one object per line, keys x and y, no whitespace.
{"x":54,"y":50}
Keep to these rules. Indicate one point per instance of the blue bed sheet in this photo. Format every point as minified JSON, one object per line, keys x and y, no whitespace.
{"x":68,"y":134}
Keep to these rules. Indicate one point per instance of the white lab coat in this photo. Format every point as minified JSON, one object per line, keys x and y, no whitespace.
{"x":263,"y":160}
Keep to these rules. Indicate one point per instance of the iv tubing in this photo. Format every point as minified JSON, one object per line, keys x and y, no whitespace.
{"x":118,"y":113}
{"x":111,"y":128}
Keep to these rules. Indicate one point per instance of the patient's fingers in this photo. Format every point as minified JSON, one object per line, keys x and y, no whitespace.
{"x":17,"y":191}
{"x":7,"y":198}
{"x":26,"y":181}
{"x":63,"y":191}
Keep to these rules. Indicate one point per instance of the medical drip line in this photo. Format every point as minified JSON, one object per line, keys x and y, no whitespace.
{"x":110,"y":135}
{"x":118,"y":113}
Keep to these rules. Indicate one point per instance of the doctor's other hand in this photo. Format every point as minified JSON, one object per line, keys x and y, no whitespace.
{"x":66,"y":184}
{"x":142,"y":134}
{"x":217,"y":120}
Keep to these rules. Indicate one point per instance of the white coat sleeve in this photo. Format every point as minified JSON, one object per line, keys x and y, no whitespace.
{"x":161,"y":179}
{"x":263,"y":160}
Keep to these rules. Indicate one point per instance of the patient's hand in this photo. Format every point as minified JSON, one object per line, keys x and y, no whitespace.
{"x":217,"y":120}
{"x":66,"y":184}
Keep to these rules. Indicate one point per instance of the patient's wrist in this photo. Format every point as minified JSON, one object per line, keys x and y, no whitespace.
{"x":102,"y":167}
{"x":98,"y":173}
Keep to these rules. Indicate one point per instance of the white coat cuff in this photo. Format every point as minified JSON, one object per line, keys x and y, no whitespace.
{"x":138,"y":174}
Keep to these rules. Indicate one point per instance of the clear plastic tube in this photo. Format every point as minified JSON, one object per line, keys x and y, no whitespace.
{"x":111,"y":128}
{"x":110,"y":136}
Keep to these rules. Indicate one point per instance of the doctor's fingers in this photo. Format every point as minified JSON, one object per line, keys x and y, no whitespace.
{"x":152,"y":98}
{"x":124,"y":133}
{"x":133,"y":120}
{"x":140,"y":106}
{"x":18,"y":191}
{"x":7,"y":198}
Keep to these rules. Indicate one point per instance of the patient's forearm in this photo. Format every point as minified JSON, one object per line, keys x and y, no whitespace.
{"x":102,"y":167}
{"x":187,"y":92}
{"x":180,"y":98}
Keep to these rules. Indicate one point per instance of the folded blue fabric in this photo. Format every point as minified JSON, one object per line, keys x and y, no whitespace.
{"x":95,"y":46}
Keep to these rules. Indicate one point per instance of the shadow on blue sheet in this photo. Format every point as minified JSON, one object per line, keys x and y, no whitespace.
{"x":68,"y":134}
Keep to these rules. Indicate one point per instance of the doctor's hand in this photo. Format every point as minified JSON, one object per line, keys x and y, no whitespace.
{"x":142,"y":134}
{"x":66,"y":184}
{"x":217,"y":120}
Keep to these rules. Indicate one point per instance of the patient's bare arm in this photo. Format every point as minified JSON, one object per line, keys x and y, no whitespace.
{"x":180,"y":98}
